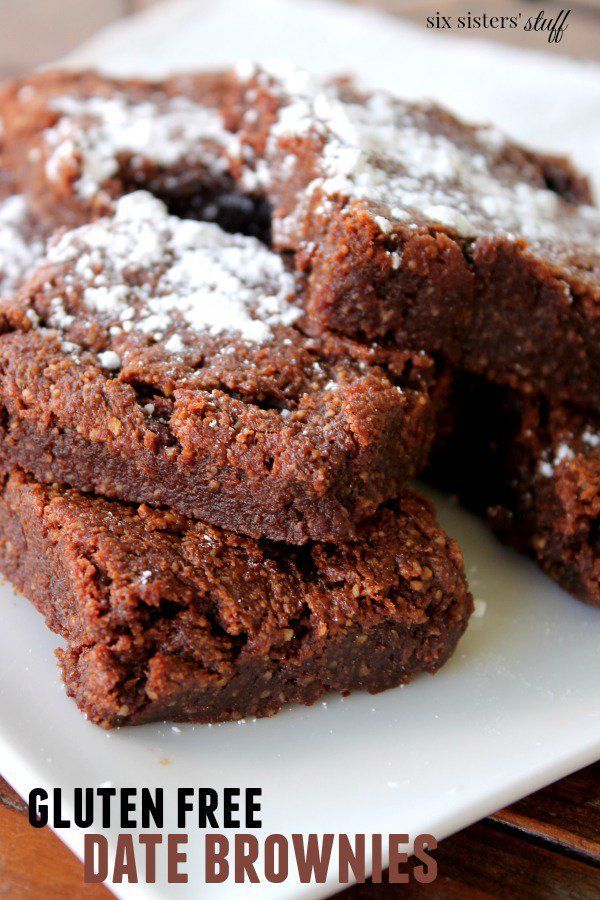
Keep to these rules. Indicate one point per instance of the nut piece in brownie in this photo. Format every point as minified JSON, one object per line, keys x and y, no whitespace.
{"x":75,"y":141}
{"x":162,"y":360}
{"x":413,"y":224}
{"x":167,"y":618}
{"x":535,"y":470}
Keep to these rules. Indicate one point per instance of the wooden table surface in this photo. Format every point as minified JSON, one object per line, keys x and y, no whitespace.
{"x":545,"y":846}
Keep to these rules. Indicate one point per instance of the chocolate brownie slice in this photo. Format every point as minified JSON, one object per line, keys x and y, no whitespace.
{"x":161,"y":360}
{"x":534,"y":469}
{"x":412,"y":224}
{"x":75,"y":141}
{"x":167,"y":618}
{"x":551,"y":506}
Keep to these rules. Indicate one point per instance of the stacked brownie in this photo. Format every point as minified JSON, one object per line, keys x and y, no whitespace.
{"x":169,"y":618}
{"x":203,"y":491}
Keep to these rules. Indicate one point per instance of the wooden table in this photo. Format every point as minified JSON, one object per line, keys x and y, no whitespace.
{"x":545,"y":846}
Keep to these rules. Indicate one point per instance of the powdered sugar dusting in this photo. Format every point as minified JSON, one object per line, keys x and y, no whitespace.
{"x":591,"y":438}
{"x":93,"y":131}
{"x":395,"y":157}
{"x":564,"y":453}
{"x":545,"y":468}
{"x":18,"y":250}
{"x":194,"y":276}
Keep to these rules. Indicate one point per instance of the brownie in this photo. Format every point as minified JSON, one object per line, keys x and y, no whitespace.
{"x":534,"y":469}
{"x":161,"y":360}
{"x":552,"y":507}
{"x":413,"y":224}
{"x":21,"y":245}
{"x":168,"y":618}
{"x":75,"y":141}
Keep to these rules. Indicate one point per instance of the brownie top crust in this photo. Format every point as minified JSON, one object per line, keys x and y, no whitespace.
{"x":74,"y":141}
{"x":93,"y":133}
{"x":405,"y":224}
{"x":144,"y":286}
{"x":414,"y":226}
{"x":162,"y":360}
{"x":406,"y":163}
{"x":308,"y":144}
{"x":20,"y":246}
{"x":146,"y":271}
{"x":302,"y":140}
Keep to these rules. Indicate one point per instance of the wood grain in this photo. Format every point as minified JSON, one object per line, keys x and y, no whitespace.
{"x":485,"y":862}
{"x":35,"y":864}
{"x":565,"y":814}
{"x":10,"y":798}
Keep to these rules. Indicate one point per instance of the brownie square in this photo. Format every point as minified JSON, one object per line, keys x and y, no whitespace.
{"x":413,"y":225}
{"x":169,"y":618}
{"x":161,"y":360}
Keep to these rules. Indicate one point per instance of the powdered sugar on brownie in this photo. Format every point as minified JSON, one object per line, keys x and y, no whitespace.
{"x":19,"y":250}
{"x":150,"y":272}
{"x":591,"y":438}
{"x":409,"y":165}
{"x":94,"y":131}
{"x":564,"y":452}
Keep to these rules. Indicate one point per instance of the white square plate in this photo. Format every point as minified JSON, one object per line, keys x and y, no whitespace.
{"x":517,"y":707}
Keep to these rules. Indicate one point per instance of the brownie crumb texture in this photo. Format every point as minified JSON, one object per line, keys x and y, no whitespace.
{"x":162,"y":360}
{"x":170,"y":618}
